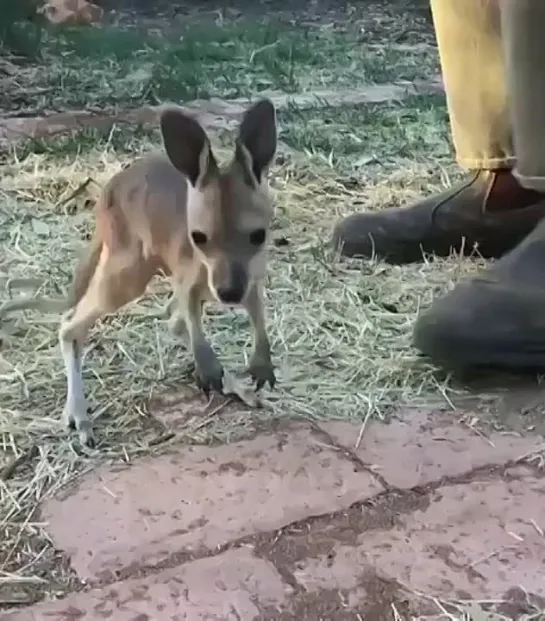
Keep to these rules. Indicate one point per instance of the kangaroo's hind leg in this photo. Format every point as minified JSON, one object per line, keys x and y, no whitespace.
{"x":118,"y":279}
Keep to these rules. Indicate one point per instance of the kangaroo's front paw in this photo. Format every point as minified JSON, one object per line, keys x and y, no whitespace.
{"x":209,"y":371}
{"x":262,"y":371}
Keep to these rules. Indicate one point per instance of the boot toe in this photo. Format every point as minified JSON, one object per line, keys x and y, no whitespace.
{"x":353,"y":236}
{"x":485,"y":323}
{"x":393,"y":235}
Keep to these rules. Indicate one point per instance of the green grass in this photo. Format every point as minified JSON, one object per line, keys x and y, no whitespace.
{"x":354,"y":138}
{"x":112,"y":66}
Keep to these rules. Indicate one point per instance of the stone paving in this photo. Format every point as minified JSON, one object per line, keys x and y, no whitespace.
{"x":296,"y":523}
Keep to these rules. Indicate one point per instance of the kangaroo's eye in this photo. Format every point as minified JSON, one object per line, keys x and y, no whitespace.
{"x":199,"y":238}
{"x":257,"y":237}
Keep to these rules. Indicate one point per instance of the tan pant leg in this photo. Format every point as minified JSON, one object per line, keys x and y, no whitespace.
{"x":472,"y":62}
{"x":523,"y":27}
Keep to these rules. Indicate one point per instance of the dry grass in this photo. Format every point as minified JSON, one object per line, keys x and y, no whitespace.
{"x":476,"y":610}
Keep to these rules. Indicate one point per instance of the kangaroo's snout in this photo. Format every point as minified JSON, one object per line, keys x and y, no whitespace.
{"x":231,"y":284}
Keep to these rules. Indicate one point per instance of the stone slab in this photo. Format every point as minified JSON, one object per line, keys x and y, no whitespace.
{"x":233,"y":586}
{"x":202,"y":497}
{"x":422,"y":447}
{"x":476,"y":540}
{"x":482,"y":538}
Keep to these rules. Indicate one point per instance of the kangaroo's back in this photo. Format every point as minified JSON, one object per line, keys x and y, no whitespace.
{"x":146,"y":203}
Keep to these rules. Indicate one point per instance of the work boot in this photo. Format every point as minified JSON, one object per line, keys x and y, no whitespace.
{"x":495,"y":320}
{"x":489,"y":212}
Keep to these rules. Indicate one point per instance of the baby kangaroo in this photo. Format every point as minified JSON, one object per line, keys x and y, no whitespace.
{"x":203,"y":225}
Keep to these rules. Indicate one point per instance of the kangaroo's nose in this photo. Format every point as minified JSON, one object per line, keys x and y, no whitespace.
{"x":233,"y":288}
{"x":231,"y":295}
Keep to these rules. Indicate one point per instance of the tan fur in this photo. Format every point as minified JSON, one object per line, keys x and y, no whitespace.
{"x":151,"y":217}
{"x":84,"y":272}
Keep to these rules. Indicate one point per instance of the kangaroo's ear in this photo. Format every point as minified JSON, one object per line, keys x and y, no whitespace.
{"x":256,"y":142}
{"x":187,"y":146}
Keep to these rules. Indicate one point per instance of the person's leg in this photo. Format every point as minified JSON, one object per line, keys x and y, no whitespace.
{"x":469,"y":41}
{"x":522,"y":26}
{"x":498,"y":318}
{"x":490,"y":210}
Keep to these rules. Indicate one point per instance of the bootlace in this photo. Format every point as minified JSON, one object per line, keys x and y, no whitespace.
{"x":455,"y":191}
